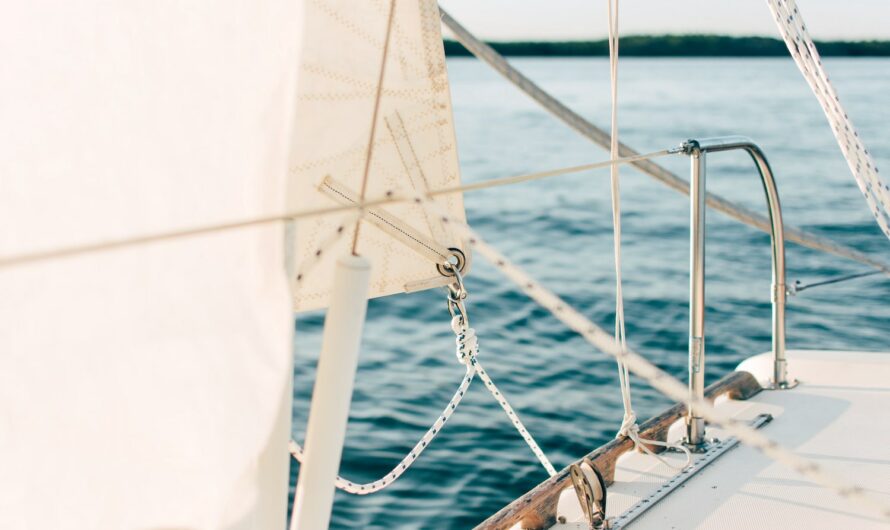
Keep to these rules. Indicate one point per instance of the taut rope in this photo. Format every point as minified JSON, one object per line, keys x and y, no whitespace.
{"x":467,"y":355}
{"x":806,"y":56}
{"x":370,"y":151}
{"x":390,"y":197}
{"x":629,"y":425}
{"x":660,"y":380}
{"x":590,"y":131}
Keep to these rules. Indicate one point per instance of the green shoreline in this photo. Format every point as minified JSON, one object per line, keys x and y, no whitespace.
{"x":676,"y":46}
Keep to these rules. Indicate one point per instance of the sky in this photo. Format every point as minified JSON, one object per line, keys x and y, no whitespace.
{"x":586,"y":19}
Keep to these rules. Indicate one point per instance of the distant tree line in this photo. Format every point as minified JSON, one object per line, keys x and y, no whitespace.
{"x":677,"y":46}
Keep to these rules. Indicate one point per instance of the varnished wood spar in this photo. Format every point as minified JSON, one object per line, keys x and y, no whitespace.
{"x":537,"y":508}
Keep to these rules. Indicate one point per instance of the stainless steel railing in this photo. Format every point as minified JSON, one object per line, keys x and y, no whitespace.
{"x":697,"y":151}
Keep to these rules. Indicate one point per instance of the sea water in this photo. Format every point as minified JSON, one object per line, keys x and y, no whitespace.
{"x":560,"y":231}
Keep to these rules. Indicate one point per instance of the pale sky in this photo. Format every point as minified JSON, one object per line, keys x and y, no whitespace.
{"x":586,"y":19}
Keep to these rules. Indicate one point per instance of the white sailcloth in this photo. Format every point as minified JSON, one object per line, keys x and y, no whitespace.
{"x":145,"y":387}
{"x":414,"y":147}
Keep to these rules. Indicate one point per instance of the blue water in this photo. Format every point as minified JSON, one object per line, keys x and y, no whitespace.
{"x":560,"y":231}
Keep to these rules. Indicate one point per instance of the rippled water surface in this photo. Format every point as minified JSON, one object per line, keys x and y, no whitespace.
{"x":560,"y":231}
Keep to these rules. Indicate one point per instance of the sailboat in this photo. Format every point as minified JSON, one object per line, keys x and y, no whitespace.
{"x":177,"y":181}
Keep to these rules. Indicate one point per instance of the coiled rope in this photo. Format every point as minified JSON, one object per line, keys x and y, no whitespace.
{"x":629,"y":427}
{"x":467,"y":352}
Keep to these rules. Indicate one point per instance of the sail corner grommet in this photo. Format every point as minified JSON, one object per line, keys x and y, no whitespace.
{"x":456,"y":260}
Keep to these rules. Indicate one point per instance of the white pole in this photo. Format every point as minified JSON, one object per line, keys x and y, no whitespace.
{"x":332,"y":395}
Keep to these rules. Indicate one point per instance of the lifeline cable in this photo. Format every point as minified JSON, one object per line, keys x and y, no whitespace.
{"x":797,"y":287}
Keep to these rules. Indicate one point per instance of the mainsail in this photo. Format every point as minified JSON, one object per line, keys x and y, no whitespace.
{"x":146,"y":386}
{"x":413,"y":148}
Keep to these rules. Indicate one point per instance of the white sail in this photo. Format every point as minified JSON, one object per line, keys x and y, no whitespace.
{"x":147,"y":386}
{"x":414,"y":147}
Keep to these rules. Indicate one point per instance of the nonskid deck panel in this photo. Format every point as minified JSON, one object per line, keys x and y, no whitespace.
{"x":836,"y":417}
{"x":538,"y":508}
{"x":716,"y":449}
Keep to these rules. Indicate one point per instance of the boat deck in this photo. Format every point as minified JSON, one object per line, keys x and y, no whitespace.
{"x":837,"y":416}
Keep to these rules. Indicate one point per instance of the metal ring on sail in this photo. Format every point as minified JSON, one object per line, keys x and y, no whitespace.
{"x":383,"y":62}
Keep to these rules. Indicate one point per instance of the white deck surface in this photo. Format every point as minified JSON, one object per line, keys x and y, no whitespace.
{"x":839,"y":416}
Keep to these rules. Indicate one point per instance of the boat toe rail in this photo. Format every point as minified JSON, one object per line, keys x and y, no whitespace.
{"x":537,"y":509}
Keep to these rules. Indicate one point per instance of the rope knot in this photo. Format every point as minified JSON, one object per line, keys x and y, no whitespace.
{"x":465,"y":338}
{"x":629,"y":426}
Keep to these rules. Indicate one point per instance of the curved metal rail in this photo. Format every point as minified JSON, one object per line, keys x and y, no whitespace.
{"x":487,"y":54}
{"x":697,"y":149}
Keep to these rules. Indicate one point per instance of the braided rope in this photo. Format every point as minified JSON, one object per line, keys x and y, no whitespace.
{"x":860,"y":161}
{"x":467,"y":348}
{"x":363,"y":489}
{"x":520,"y":428}
{"x":488,"y":55}
{"x":635,"y":363}
{"x":659,"y":379}
{"x":629,"y":425}
{"x":630,"y":429}
{"x":467,"y":354}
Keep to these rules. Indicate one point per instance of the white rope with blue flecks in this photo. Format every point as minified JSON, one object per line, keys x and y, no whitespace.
{"x":514,"y":419}
{"x":465,"y":344}
{"x":862,"y":165}
{"x":658,"y":378}
{"x":467,"y":355}
{"x":654,"y":376}
{"x":670,"y":386}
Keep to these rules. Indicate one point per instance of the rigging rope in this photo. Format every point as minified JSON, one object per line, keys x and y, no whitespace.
{"x":465,"y":343}
{"x":806,"y":56}
{"x":629,"y":425}
{"x":635,"y":363}
{"x":379,"y":91}
{"x":487,"y":54}
{"x":390,"y":197}
{"x":797,"y":287}
{"x":617,"y":347}
{"x":467,"y":355}
{"x":660,"y":380}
